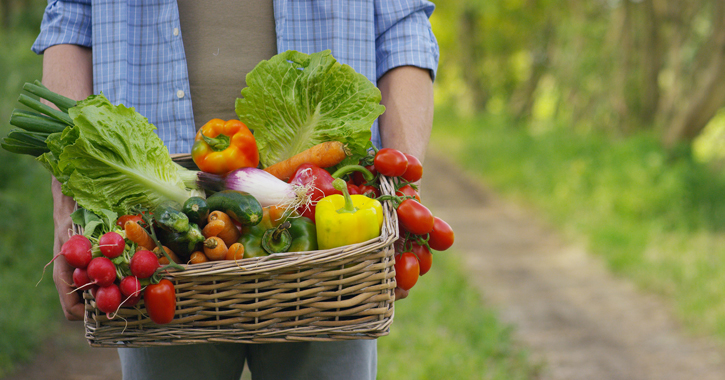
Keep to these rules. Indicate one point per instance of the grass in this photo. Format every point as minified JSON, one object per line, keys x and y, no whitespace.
{"x":442,"y":331}
{"x":27,"y":312}
{"x":655,"y":219}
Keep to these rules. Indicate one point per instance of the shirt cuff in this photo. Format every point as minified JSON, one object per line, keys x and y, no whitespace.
{"x":410,"y":42}
{"x":64,"y":22}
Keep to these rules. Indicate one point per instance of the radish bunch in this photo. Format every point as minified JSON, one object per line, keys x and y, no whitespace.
{"x":111,"y":268}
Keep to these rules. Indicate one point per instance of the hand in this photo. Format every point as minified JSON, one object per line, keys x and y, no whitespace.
{"x":63,"y":206}
{"x":73,"y":307}
{"x":400,"y":293}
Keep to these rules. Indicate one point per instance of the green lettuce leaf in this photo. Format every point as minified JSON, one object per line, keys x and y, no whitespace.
{"x":295,"y":101}
{"x":112,"y":160}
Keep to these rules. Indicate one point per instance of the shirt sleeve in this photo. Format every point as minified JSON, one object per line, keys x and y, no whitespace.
{"x":64,"y":22}
{"x":404,"y":36}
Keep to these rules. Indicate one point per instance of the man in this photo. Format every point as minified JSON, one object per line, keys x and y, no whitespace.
{"x":133,"y":52}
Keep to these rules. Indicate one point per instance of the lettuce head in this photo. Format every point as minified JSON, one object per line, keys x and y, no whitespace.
{"x":295,"y":101}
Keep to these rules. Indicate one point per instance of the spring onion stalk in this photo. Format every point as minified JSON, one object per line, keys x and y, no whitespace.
{"x":266,"y":188}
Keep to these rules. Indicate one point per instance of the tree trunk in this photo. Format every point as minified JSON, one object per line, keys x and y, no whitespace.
{"x":709,"y":94}
{"x":623,"y":66}
{"x":471,"y":56}
{"x":651,"y":64}
{"x":522,"y":101}
{"x":6,"y":13}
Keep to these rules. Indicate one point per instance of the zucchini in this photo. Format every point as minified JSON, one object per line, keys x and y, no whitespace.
{"x":196,"y":209}
{"x":239,"y":205}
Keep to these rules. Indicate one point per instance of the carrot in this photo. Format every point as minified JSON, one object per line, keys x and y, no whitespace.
{"x":213,"y":228}
{"x":138,"y":235}
{"x":235,"y":252}
{"x":230,"y":233}
{"x":324,"y":155}
{"x":215,"y":249}
{"x":277,"y":213}
{"x":198,"y":257}
{"x":162,"y":259}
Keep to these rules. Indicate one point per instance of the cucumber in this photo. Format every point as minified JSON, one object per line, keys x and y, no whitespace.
{"x":240,"y":206}
{"x":196,"y":209}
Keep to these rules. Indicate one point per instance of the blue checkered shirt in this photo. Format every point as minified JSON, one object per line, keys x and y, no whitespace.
{"x":139,"y":60}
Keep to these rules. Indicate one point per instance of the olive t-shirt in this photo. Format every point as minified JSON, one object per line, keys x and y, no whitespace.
{"x":223,"y":41}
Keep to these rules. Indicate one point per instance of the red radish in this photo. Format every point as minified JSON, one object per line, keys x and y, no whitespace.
{"x":108,"y":298}
{"x":77,"y":252}
{"x":143,"y":264}
{"x":111,"y":244}
{"x":94,"y":290}
{"x":101,"y":271}
{"x":80,"y":278}
{"x":131,"y":290}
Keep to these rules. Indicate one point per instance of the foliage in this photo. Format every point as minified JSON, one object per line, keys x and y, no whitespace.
{"x":654,"y":217}
{"x":618,"y":65}
{"x":441,"y":331}
{"x":27,"y":312}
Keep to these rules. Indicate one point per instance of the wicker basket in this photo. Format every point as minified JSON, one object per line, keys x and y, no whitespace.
{"x":335,"y":294}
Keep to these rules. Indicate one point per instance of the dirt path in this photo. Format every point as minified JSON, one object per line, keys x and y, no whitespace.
{"x":575,"y":316}
{"x":578,"y":319}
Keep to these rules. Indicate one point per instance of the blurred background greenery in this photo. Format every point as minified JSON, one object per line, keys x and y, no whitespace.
{"x":28,"y":313}
{"x":606,"y":116}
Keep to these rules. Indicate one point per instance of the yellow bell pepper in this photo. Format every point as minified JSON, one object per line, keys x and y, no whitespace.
{"x":345,"y":219}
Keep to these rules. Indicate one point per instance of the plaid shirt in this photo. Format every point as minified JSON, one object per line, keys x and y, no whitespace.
{"x":139,"y":60}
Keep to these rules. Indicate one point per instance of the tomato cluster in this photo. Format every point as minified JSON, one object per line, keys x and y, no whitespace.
{"x":420,"y":230}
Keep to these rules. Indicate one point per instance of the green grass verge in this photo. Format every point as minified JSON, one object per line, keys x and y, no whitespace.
{"x":27,"y":312}
{"x":442,"y":331}
{"x":655,"y":219}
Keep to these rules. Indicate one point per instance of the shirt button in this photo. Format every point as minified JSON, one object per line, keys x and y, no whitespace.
{"x":176,"y":31}
{"x":180,"y":94}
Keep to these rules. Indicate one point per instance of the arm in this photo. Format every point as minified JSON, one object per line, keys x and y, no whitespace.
{"x":67,"y":70}
{"x":407,"y":93}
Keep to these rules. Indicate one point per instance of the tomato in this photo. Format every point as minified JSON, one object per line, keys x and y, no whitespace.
{"x":352,"y":188}
{"x":414,"y":172}
{"x":358,"y":178}
{"x":369,"y":191}
{"x":160,"y":301}
{"x":414,"y":217}
{"x":425,"y":258}
{"x":125,"y":218}
{"x":406,"y":270}
{"x":441,"y":237}
{"x":390,"y":162}
{"x":408,"y":190}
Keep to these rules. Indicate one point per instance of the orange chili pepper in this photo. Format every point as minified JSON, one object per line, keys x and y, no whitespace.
{"x":222,"y":146}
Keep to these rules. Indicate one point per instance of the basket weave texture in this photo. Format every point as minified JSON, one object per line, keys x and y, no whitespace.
{"x":335,"y":294}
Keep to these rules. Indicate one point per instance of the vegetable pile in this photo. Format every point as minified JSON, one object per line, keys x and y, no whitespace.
{"x":296,"y":173}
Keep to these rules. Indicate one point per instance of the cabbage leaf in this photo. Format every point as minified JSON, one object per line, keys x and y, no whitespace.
{"x":294,"y":101}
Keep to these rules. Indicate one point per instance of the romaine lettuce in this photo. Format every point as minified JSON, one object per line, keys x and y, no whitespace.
{"x":112,"y":160}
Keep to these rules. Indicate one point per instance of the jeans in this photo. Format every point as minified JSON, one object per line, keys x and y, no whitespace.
{"x":348,"y":360}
